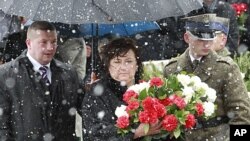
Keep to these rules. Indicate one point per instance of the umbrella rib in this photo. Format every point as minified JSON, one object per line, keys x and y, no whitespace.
{"x":73,"y":7}
{"x":98,"y":7}
{"x":179,"y":7}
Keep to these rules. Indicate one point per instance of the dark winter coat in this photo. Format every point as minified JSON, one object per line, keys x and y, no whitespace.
{"x":223,"y":75}
{"x":172,"y":29}
{"x":15,"y":45}
{"x":108,"y":96}
{"x":28,"y":111}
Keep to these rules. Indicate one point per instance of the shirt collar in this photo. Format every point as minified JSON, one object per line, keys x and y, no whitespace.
{"x":192,"y":58}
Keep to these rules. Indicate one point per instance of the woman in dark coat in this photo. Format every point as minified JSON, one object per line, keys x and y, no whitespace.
{"x":123,"y":66}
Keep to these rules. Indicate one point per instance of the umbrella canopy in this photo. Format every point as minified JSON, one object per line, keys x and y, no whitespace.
{"x":121,"y":29}
{"x":98,"y":11}
{"x":8,"y":24}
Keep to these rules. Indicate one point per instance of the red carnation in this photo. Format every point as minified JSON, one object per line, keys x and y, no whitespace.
{"x":143,"y":117}
{"x":156,"y":81}
{"x":190,"y":121}
{"x":128,"y":95}
{"x":132,"y":105}
{"x":170,"y":122}
{"x":148,"y":117}
{"x":122,"y":122}
{"x":160,"y":110}
{"x":166,"y":102}
{"x":199,"y":109}
{"x":148,"y":103}
{"x":240,"y":8}
{"x":179,"y":102}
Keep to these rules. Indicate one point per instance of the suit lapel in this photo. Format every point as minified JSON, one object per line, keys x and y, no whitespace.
{"x":184,"y":63}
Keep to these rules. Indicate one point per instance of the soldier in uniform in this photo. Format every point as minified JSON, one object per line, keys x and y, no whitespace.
{"x":222,"y":29}
{"x":220,"y":73}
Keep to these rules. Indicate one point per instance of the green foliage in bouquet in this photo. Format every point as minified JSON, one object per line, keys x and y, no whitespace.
{"x":243,"y":62}
{"x":153,"y":69}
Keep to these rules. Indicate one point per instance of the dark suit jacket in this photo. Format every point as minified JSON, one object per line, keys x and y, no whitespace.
{"x":31,"y":111}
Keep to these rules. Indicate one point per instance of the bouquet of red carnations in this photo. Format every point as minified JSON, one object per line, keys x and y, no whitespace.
{"x":175,"y":101}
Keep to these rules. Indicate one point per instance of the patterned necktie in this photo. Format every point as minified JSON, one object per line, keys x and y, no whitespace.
{"x":44,"y":70}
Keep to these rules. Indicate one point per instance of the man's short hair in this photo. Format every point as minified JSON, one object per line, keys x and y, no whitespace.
{"x":42,"y":25}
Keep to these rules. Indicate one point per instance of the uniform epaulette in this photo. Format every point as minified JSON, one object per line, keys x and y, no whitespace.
{"x":171,"y":61}
{"x":228,"y":60}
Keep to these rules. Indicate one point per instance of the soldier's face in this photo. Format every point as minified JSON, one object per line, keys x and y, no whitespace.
{"x":198,"y":48}
{"x":219,"y":42}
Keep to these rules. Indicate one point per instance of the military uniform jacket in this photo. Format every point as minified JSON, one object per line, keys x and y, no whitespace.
{"x":223,"y":75}
{"x":223,"y":52}
{"x":29,"y":112}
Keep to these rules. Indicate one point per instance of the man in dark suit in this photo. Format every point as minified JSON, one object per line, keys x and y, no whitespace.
{"x":38,"y":94}
{"x":220,"y":73}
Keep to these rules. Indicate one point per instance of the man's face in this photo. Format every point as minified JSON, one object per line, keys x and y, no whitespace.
{"x":198,"y":47}
{"x":42,"y":45}
{"x":219,"y":41}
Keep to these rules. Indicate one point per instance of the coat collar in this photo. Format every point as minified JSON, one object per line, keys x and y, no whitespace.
{"x":205,"y":68}
{"x":116,"y":87}
{"x":24,"y":59}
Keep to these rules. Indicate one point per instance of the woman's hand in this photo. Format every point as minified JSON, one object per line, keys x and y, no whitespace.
{"x":153,"y":129}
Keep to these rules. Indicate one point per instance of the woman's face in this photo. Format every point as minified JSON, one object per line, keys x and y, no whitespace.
{"x":123,"y":68}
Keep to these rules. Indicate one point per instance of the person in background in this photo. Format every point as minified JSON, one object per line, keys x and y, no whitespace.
{"x":9,"y":24}
{"x":39,"y":95}
{"x":171,"y":33}
{"x":123,"y":68}
{"x":221,"y":32}
{"x":94,"y":73}
{"x":71,"y":47}
{"x":223,"y":9}
{"x":219,"y":73}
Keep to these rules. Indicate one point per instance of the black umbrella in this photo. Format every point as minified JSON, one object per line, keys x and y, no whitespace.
{"x":98,"y":11}
{"x":119,"y":29}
